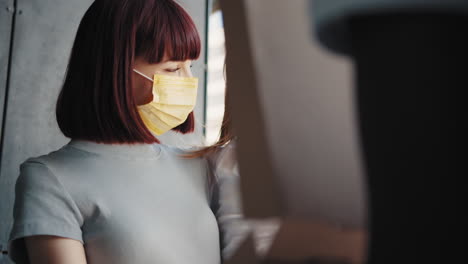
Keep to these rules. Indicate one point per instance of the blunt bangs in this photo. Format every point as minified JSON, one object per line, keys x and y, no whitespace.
{"x":167,"y":29}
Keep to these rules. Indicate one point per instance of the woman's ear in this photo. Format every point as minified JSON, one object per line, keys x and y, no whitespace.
{"x":142,"y":89}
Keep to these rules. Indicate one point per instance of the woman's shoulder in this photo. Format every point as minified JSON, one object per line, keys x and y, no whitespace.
{"x":59,"y":157}
{"x":55,"y":167}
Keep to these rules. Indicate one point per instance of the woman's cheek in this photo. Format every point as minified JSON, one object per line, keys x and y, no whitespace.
{"x":144,"y":94}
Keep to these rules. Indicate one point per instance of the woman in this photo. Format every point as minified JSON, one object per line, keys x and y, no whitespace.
{"x":113,"y":195}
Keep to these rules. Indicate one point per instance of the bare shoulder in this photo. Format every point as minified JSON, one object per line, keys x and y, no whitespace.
{"x":54,"y":249}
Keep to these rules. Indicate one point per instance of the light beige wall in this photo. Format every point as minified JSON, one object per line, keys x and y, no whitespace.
{"x":306,"y":102}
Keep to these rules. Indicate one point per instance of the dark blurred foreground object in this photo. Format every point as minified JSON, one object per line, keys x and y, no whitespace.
{"x":411,"y":59}
{"x":410,"y":69}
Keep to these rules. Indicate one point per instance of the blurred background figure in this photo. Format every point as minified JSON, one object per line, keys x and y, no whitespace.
{"x":410,"y":58}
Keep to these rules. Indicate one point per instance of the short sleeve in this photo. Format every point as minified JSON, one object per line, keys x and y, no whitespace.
{"x":42,"y":207}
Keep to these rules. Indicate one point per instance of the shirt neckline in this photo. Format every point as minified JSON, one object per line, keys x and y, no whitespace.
{"x":129,"y":151}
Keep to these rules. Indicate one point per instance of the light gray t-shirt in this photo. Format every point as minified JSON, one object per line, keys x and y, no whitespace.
{"x":332,"y":16}
{"x":126,"y":203}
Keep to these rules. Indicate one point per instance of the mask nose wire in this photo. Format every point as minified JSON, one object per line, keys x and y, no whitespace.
{"x":142,"y":74}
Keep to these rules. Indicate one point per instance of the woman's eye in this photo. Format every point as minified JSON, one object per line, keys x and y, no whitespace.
{"x":173,"y":70}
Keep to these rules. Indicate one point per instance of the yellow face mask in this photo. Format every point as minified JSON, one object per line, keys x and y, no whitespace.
{"x":174,"y":98}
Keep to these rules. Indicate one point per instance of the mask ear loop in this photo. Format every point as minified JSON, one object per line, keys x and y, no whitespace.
{"x":144,"y":75}
{"x":155,"y":95}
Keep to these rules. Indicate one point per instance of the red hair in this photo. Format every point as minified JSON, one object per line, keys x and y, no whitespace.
{"x":96,"y":101}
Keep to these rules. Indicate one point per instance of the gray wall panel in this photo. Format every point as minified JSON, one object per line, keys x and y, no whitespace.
{"x":6,"y":19}
{"x":44,"y":33}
